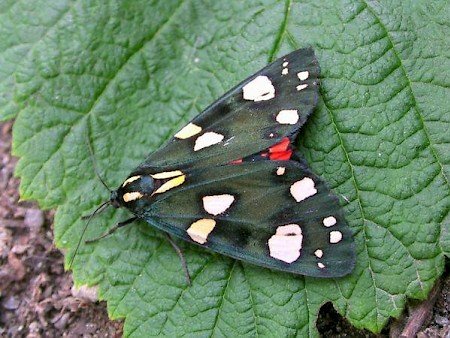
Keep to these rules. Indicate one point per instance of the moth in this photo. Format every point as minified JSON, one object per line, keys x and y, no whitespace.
{"x":230,"y":181}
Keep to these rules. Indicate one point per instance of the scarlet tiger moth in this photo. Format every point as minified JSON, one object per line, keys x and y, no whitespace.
{"x":229,"y":180}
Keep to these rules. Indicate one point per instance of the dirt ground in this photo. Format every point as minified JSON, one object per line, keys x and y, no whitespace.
{"x":37,"y":299}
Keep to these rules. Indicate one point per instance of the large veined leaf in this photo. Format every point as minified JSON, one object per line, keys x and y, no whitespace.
{"x":130,"y":73}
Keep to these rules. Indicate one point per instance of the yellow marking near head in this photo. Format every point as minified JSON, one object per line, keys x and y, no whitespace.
{"x":174,"y":182}
{"x":199,"y":231}
{"x":188,"y":131}
{"x":131,"y":179}
{"x":131,"y":196}
{"x":167,"y":174}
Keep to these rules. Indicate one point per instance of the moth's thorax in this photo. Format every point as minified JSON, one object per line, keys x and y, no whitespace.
{"x":132,"y":191}
{"x":138,"y":191}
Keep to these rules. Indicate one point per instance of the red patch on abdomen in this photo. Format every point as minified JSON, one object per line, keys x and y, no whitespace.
{"x":281,"y":151}
{"x":281,"y":155}
{"x":237,"y":161}
{"x":278,"y":152}
{"x":283,"y":145}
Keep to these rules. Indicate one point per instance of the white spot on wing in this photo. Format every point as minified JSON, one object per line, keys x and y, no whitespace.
{"x":286,"y":244}
{"x":199,"y":231}
{"x":188,"y":131}
{"x":285,"y":70}
{"x":335,"y":237}
{"x":287,"y":116}
{"x":318,"y":253}
{"x":321,"y":265}
{"x":281,"y":171}
{"x":259,"y":89}
{"x":302,"y":86}
{"x":217,"y":204}
{"x":303,"y":75}
{"x":329,"y":221}
{"x":303,"y":189}
{"x":207,"y":139}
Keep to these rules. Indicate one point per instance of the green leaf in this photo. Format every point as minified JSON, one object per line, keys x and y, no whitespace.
{"x":131,"y":73}
{"x":26,"y":27}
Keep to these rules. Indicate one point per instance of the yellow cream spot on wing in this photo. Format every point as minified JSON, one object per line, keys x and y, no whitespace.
{"x":289,"y":116}
{"x":303,"y":189}
{"x":329,"y":221}
{"x":167,"y":174}
{"x":188,"y":131}
{"x":174,"y":182}
{"x":207,"y":139}
{"x":131,"y":196}
{"x":335,"y":237}
{"x":217,"y":204}
{"x":259,"y":89}
{"x":286,"y":244}
{"x":199,"y":230}
{"x":131,"y":179}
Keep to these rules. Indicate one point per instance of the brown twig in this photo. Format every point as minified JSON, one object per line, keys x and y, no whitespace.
{"x":421,"y":313}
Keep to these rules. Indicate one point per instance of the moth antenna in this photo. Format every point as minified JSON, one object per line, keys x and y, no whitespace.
{"x":89,"y":215}
{"x":103,"y":206}
{"x":94,"y":163}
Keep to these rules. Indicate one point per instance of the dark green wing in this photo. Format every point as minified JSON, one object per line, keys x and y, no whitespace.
{"x":256,"y":114}
{"x":275,"y":214}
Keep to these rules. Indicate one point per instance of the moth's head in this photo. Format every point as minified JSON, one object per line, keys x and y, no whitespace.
{"x":132,"y":190}
{"x":114,"y":199}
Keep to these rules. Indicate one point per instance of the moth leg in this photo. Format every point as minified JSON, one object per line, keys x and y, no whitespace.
{"x":183,"y":261}
{"x":110,"y":231}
